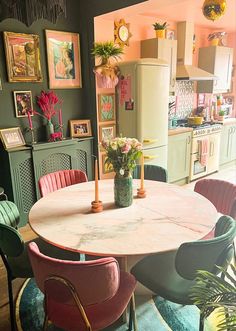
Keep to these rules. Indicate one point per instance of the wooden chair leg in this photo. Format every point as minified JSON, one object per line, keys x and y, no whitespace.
{"x":45,"y":322}
{"x":11,"y":303}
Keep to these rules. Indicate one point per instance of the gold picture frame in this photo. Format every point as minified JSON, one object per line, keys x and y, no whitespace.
{"x":23,"y":103}
{"x":12,"y":137}
{"x":107,"y":132}
{"x":22,"y":57}
{"x":63,"y":55}
{"x":80,"y":128}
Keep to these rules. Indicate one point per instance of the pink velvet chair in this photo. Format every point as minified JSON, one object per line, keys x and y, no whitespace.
{"x":83,"y":295}
{"x":59,"y":179}
{"x":221,"y":194}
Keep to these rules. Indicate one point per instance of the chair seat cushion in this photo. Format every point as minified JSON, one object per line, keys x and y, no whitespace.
{"x":100,"y":315}
{"x":21,"y":267}
{"x":157,"y":272}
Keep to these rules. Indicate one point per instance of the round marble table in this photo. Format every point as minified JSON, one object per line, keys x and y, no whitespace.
{"x":167,"y":217}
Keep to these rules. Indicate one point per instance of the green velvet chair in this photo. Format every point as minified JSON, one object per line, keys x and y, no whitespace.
{"x":171,"y":274}
{"x":14,"y":251}
{"x":151,"y":172}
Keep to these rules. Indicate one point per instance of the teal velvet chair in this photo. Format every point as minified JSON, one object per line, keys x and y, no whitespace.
{"x":151,"y":172}
{"x":171,"y":274}
{"x":14,"y":251}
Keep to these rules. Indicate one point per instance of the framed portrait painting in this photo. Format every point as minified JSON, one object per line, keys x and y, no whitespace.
{"x":80,"y":128}
{"x":12,"y":137}
{"x":23,"y":103}
{"x":106,"y":132}
{"x":63,"y":54}
{"x":106,"y":107}
{"x":23,"y":57}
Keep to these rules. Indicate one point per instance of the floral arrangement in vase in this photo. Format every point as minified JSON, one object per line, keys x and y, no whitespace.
{"x":47,"y":102}
{"x":122,"y":154}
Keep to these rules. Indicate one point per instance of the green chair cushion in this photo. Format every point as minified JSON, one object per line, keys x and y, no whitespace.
{"x":9,"y":213}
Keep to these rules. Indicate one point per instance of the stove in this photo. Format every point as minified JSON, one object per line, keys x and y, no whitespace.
{"x":203,"y":129}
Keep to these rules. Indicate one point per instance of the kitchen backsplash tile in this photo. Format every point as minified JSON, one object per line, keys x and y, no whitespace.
{"x":184,"y":99}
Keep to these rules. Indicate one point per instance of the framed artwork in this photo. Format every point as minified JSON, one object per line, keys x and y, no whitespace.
{"x":23,"y":57}
{"x":107,"y":132}
{"x":12,"y":137}
{"x":105,"y":167}
{"x":23,"y":102}
{"x":80,"y":128}
{"x":106,"y":107}
{"x":170,"y":34}
{"x":63,"y":54}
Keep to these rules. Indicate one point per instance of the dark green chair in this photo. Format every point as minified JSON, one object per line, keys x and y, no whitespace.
{"x":14,"y":251}
{"x":151,"y":172}
{"x":171,"y":274}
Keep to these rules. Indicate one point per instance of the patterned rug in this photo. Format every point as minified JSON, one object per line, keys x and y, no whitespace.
{"x":154,"y":314}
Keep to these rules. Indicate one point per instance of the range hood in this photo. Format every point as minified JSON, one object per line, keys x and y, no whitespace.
{"x":185,"y":70}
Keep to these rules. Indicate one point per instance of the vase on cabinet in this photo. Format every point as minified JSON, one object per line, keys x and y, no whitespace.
{"x":123,"y":190}
{"x":160,"y":33}
{"x":49,"y":129}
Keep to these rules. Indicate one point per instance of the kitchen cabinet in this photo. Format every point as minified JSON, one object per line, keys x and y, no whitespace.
{"x":22,"y":167}
{"x":179,"y":147}
{"x":164,"y":49}
{"x":228,"y":144}
{"x":217,"y":60}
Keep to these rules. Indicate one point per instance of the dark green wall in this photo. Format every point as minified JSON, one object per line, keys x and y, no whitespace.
{"x":77,"y":103}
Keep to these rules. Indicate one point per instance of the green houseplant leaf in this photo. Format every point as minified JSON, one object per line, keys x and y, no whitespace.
{"x":160,"y":26}
{"x":106,"y":50}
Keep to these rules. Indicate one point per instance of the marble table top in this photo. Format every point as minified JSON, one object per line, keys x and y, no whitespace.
{"x":167,"y":217}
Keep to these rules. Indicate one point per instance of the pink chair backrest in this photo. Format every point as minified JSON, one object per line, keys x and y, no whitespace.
{"x":59,"y":179}
{"x":221,"y":194}
{"x":95,"y":281}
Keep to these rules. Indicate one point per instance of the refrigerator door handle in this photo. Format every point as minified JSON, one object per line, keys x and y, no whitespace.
{"x":149,"y":141}
{"x":150,"y":157}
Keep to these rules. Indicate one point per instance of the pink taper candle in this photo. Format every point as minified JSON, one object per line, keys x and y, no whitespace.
{"x":96,"y":181}
{"x":30,"y":120}
{"x":60,"y":117}
{"x":142,"y":171}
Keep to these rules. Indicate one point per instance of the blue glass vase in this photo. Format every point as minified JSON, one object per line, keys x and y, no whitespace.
{"x":123,"y":190}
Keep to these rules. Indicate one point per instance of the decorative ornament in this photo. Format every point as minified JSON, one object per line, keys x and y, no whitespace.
{"x":121,"y":33}
{"x":214,"y":9}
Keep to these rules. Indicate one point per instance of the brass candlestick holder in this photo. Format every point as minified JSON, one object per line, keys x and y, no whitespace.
{"x":61,"y":130}
{"x":97,"y":206}
{"x":33,"y":141}
{"x":141,"y":193}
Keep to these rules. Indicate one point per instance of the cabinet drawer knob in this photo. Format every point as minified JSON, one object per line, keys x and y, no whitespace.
{"x":149,"y":141}
{"x":150,"y":157}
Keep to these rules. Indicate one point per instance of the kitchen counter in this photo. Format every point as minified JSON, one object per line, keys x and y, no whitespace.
{"x":178,"y":130}
{"x":229,"y":121}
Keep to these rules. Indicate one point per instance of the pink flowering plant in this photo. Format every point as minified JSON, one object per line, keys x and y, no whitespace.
{"x":47,"y":102}
{"x":122,"y":153}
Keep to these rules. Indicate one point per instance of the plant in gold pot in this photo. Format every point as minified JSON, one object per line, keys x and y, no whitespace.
{"x":107,"y":72}
{"x":160,"y":29}
{"x":122,"y":153}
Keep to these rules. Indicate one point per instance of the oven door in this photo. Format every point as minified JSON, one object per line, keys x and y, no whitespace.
{"x":196,"y":169}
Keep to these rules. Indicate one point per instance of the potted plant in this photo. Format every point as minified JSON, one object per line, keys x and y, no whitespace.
{"x":160,"y":29}
{"x":106,"y":72}
{"x":221,"y":115}
{"x":213,"y":292}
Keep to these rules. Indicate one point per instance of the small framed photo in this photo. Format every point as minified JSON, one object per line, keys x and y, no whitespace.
{"x":170,"y":34}
{"x":63,"y":54}
{"x":107,"y":132}
{"x":23,"y":57}
{"x":106,"y":107}
{"x":80,"y":128}
{"x":23,"y":102}
{"x":105,"y":167}
{"x":12,"y":137}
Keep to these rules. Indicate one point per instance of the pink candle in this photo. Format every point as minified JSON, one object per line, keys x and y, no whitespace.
{"x":30,"y":120}
{"x":60,"y":117}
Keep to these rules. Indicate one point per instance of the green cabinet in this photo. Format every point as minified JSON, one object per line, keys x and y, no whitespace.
{"x":22,"y":167}
{"x":179,"y":146}
{"x":228,"y":144}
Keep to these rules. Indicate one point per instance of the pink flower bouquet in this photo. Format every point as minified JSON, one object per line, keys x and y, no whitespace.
{"x":47,"y":102}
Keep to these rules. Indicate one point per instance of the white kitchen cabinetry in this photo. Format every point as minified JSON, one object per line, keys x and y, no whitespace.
{"x":163,"y":49}
{"x":179,"y":146}
{"x":217,"y":60}
{"x":228,"y":144}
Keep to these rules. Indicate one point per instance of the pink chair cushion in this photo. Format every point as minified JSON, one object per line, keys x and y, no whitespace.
{"x":103,"y":290}
{"x":219,"y":192}
{"x":59,"y":179}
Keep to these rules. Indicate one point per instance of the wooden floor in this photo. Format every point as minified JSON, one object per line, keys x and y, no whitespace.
{"x":228,"y":174}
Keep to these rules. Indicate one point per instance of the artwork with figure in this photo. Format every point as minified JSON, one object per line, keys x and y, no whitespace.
{"x":80,"y":128}
{"x":63,"y":54}
{"x":23,"y":103}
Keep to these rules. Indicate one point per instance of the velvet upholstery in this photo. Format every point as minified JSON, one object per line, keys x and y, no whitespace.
{"x":103,"y":290}
{"x":59,"y":179}
{"x":151,"y":172}
{"x":14,"y":250}
{"x":171,"y":274}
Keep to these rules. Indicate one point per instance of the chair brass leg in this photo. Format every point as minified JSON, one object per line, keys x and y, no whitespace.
{"x":45,"y":322}
{"x":132,"y":316}
{"x":11,"y":303}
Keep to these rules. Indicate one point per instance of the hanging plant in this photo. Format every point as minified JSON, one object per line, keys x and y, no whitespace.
{"x":214,"y":9}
